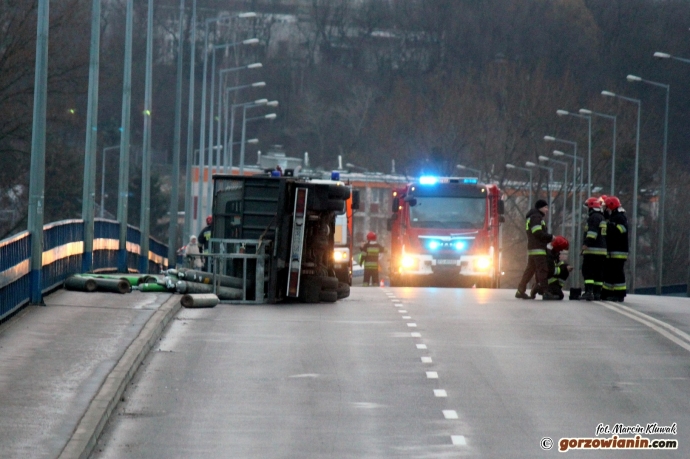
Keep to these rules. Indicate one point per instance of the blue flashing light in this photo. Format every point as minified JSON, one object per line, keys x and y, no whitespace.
{"x":275,"y":173}
{"x":335,"y":175}
{"x":433,"y":245}
{"x":428,"y":180}
{"x":470,"y":180}
{"x":459,"y":245}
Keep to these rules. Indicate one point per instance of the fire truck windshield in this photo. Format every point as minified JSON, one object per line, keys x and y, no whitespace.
{"x":448,"y":212}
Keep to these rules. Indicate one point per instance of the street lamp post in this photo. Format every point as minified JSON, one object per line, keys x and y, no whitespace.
{"x":661,"y":55}
{"x":105,"y":150}
{"x":575,"y":235}
{"x":230,"y":132}
{"x":270,"y":116}
{"x":576,"y":207}
{"x":476,"y":171}
{"x":633,"y":248}
{"x":584,"y":111}
{"x":589,"y":145}
{"x":563,"y":187}
{"x":662,"y":200}
{"x":512,"y":166}
{"x":548,"y":187}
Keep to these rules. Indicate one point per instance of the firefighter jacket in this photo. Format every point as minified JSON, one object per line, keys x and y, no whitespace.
{"x":558,"y":270}
{"x":370,"y":252}
{"x":595,"y":237}
{"x":204,"y":238}
{"x":617,"y":236}
{"x":537,"y":235}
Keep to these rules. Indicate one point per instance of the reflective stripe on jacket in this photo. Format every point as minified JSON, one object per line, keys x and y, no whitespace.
{"x":537,"y":233}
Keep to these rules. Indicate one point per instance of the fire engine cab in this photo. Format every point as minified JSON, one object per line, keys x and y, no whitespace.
{"x":445,"y":231}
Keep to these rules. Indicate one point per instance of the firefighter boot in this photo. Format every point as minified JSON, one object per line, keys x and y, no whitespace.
{"x":597,"y":292}
{"x":549,"y":296}
{"x":521,"y":295}
{"x":588,"y":295}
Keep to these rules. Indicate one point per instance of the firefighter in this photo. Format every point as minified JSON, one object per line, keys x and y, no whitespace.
{"x":558,"y":268}
{"x":537,"y":239}
{"x":614,"y":288}
{"x":204,"y":239}
{"x":370,"y":256}
{"x":594,"y":251}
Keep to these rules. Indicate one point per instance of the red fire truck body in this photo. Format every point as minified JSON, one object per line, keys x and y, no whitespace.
{"x":445,"y":231}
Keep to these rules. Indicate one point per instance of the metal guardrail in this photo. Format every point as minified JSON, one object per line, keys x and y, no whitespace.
{"x":63,"y":246}
{"x":252,"y":253}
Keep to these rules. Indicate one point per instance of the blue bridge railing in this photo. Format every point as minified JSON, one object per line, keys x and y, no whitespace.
{"x":63,"y":247}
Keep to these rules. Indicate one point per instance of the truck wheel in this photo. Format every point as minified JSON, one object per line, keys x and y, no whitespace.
{"x":328,"y":296}
{"x":338,"y":192}
{"x":329,"y":283}
{"x":310,"y":288}
{"x":343,"y":290}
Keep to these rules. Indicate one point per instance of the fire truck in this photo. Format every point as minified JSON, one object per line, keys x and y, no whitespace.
{"x":445,"y":231}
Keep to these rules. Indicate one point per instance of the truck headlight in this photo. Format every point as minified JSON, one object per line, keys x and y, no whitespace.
{"x":482,"y":263}
{"x":408,"y":261}
{"x":341,"y":255}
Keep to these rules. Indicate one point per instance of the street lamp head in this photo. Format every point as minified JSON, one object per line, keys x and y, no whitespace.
{"x":510,"y":166}
{"x":543,"y":158}
{"x":584,"y":111}
{"x":261,"y":102}
{"x":246,"y":15}
{"x":558,"y":153}
{"x":259,"y":84}
{"x":633,"y":78}
{"x":273,"y":103}
{"x":253,"y":141}
{"x":271,"y":116}
{"x":349,"y":165}
{"x":250,"y":41}
{"x":255,"y":65}
{"x":549,"y":138}
{"x":562,"y":112}
{"x":608,"y":94}
{"x":460,"y":166}
{"x":530,"y":164}
{"x":660,"y":55}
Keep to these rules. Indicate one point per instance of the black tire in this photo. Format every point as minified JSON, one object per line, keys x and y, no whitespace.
{"x":343,"y":290}
{"x":329,"y":283}
{"x":339,"y":192}
{"x":328,"y":296}
{"x":309,"y":289}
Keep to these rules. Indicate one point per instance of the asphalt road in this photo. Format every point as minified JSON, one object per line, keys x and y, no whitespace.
{"x":398,"y":373}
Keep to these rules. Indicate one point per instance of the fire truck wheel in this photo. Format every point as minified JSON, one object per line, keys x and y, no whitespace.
{"x":338,"y":192}
{"x":328,"y":296}
{"x":337,"y":205}
{"x":329,"y":283}
{"x":310,"y":288}
{"x":343,"y":290}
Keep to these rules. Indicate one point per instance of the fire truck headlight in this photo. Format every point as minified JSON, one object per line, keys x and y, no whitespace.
{"x":408,"y":261}
{"x":460,"y":245}
{"x":340,"y":255}
{"x":482,"y":263}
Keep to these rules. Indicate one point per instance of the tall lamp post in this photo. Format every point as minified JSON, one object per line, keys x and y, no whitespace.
{"x":584,"y":111}
{"x":633,"y":248}
{"x":589,"y":145}
{"x":661,"y":55}
{"x":512,"y":166}
{"x":576,"y":207}
{"x":476,"y":171}
{"x":230,"y":132}
{"x":105,"y":150}
{"x":576,"y":236}
{"x":270,"y":116}
{"x":662,"y":200}
{"x":563,"y":187}
{"x":548,"y":187}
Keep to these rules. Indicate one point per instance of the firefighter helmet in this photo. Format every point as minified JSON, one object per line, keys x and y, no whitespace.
{"x":593,"y":203}
{"x":371,"y":236}
{"x":559,"y":243}
{"x":209,"y":219}
{"x":612,"y":203}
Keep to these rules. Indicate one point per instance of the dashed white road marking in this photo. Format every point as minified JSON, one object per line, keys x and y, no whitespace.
{"x":407,"y":317}
{"x":402,"y":311}
{"x":450,"y":414}
{"x":421,"y":346}
{"x":395,"y":300}
{"x":416,"y":335}
{"x":440,"y":393}
{"x":411,"y":324}
{"x":458,"y":440}
{"x":426,"y":360}
{"x":431,"y":375}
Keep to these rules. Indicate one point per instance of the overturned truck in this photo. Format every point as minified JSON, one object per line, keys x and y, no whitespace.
{"x":276,"y":234}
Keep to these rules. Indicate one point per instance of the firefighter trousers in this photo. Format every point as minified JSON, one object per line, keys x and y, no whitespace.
{"x":371,"y":274}
{"x":614,"y":279}
{"x":593,"y":272}
{"x":537,"y":266}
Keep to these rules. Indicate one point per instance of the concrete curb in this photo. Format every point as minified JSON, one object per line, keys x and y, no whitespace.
{"x":85,"y":436}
